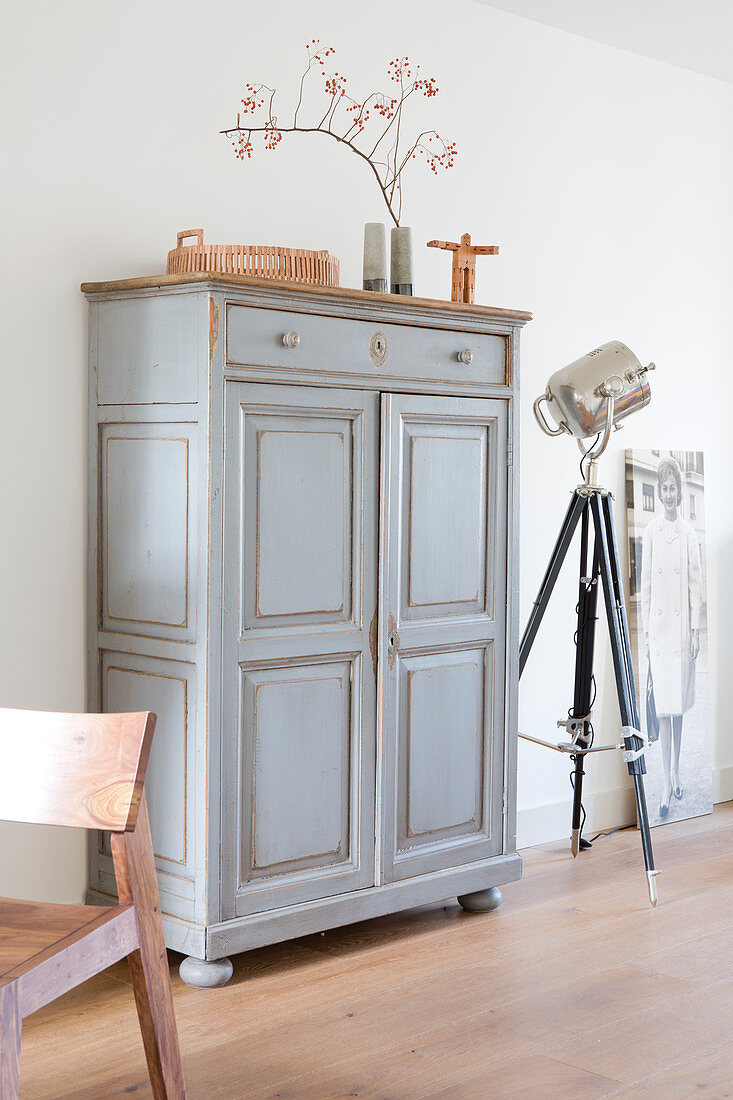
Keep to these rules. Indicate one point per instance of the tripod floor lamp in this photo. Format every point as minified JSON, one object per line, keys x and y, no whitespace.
{"x":586,"y":400}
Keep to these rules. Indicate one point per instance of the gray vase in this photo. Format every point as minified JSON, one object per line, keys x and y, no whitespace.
{"x":401,"y":261}
{"x":375,"y":257}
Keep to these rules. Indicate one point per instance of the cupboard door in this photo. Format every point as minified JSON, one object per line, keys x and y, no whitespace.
{"x":300,"y":546}
{"x":442,"y":631}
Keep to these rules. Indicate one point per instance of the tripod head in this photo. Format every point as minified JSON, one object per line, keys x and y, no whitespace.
{"x":588,"y":399}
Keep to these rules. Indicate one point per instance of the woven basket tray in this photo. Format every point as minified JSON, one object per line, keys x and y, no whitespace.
{"x":297,"y":265}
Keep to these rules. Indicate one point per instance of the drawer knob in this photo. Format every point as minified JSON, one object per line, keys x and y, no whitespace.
{"x":291,"y":340}
{"x":465,"y":356}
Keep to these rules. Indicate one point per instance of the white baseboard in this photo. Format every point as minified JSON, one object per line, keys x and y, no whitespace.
{"x":605,"y":809}
{"x":723,"y":784}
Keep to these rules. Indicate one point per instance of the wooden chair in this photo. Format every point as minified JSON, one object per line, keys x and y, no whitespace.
{"x":85,"y":770}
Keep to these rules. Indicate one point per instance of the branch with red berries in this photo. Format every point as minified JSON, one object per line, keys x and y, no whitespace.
{"x":372,"y":128}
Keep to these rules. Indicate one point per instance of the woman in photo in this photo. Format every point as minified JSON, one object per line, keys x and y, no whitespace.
{"x":671,"y":599}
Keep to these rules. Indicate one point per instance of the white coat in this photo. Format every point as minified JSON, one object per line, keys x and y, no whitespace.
{"x":671,"y":599}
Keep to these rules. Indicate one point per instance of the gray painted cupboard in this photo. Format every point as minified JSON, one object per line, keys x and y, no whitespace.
{"x":302,"y":556}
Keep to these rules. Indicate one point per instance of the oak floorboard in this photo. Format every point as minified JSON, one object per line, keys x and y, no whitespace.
{"x":710,"y":1075}
{"x":705,"y":959}
{"x":574,"y":987}
{"x":533,"y":1078}
{"x":435,"y":1057}
{"x":667,"y":1035}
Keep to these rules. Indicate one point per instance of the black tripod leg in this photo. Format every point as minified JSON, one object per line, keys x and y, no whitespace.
{"x":607,"y":512}
{"x":575,"y":509}
{"x":585,"y":642}
{"x":637,"y":768}
{"x":623,"y":669}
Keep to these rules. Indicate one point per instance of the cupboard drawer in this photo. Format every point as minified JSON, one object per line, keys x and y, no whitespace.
{"x":342,"y":346}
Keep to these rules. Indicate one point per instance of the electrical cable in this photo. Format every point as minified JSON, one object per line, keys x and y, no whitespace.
{"x":582,"y":471}
{"x":609,"y":832}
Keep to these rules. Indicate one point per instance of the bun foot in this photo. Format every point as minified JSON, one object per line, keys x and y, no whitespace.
{"x":482,"y":901}
{"x":205,"y":973}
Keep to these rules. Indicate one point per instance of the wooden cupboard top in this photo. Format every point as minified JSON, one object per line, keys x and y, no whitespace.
{"x":155,"y":282}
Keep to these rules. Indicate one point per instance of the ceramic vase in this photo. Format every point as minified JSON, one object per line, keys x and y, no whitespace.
{"x":375,"y":257}
{"x":401,"y":261}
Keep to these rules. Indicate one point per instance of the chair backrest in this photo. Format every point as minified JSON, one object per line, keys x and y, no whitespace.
{"x":73,"y":769}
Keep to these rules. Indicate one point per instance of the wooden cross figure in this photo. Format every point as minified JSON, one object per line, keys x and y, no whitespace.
{"x":464,"y":265}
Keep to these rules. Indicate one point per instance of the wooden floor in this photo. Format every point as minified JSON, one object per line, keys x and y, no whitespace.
{"x":575,"y":987}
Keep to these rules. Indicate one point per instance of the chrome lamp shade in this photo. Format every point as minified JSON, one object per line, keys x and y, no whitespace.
{"x":579,"y":396}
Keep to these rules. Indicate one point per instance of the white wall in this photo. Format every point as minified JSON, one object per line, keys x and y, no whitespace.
{"x":605,"y":177}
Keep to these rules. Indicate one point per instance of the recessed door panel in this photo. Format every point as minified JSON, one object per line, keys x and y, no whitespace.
{"x":299,"y":767}
{"x":132,"y":682}
{"x":299,"y":523}
{"x":147,"y":529}
{"x":163,"y":687}
{"x":445,"y":538}
{"x":299,"y":698}
{"x":303,"y":529}
{"x":441,"y":747}
{"x":443,"y":615}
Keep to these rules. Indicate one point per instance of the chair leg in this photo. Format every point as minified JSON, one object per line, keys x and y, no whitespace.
{"x":10,"y":1027}
{"x":137,"y":885}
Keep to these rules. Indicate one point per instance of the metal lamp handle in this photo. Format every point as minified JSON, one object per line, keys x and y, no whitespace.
{"x":540,"y":418}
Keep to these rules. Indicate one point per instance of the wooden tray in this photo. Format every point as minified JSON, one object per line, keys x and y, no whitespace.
{"x":297,"y":265}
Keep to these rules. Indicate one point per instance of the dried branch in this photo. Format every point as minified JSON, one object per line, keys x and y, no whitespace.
{"x":346,"y":120}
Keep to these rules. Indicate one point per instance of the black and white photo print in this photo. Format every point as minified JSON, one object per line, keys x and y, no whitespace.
{"x":665,"y":495}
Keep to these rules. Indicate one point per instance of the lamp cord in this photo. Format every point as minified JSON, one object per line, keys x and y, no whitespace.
{"x":582,"y":471}
{"x":610,"y":832}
